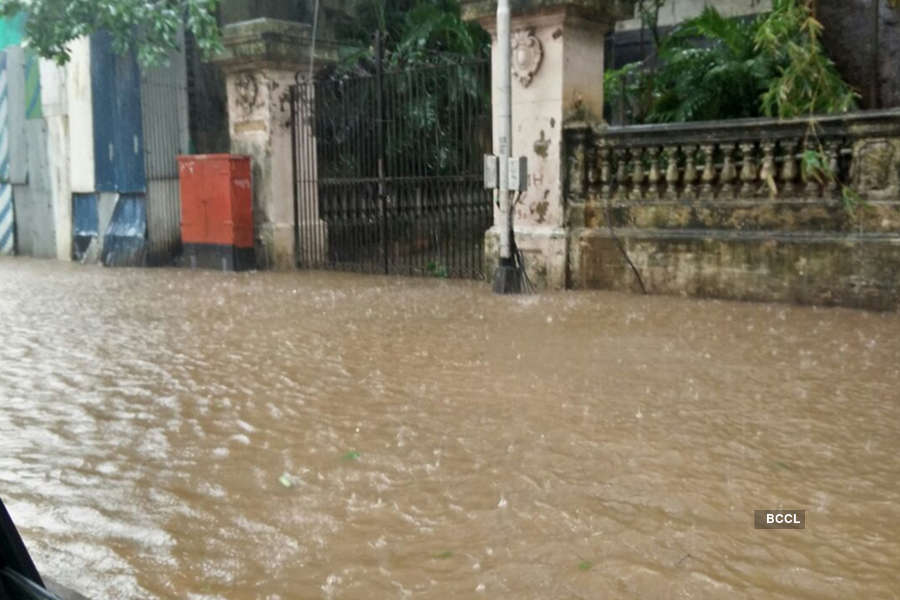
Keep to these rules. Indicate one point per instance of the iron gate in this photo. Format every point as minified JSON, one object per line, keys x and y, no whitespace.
{"x":388,"y":170}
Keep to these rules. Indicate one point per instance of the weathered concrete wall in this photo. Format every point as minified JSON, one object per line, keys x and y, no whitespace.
{"x":863,"y":39}
{"x":724,"y":210}
{"x":676,"y":11}
{"x":39,"y":155}
{"x":235,"y":11}
{"x":261,"y":60}
{"x":77,"y":130}
{"x":539,"y":107}
{"x":557,"y":65}
{"x":260,"y":127}
{"x":81,"y":117}
{"x":7,"y":207}
{"x":33,"y":186}
{"x":809,"y":268}
{"x":55,"y":110}
{"x":35,"y":223}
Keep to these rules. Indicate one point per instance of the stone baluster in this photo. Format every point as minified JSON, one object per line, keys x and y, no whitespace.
{"x":690,"y":173}
{"x":767,"y":186}
{"x":709,"y":172}
{"x":637,"y":175}
{"x":577,"y":164}
{"x":592,"y":154}
{"x":789,"y":167}
{"x":729,"y":172}
{"x":811,"y":188}
{"x":833,"y":151}
{"x":605,"y":168}
{"x":653,"y":177}
{"x":584,"y":215}
{"x":749,"y":171}
{"x":672,"y":173}
{"x":621,"y":155}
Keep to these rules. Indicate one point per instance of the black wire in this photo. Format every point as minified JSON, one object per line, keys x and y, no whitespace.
{"x":526,"y":286}
{"x":525,"y":283}
{"x":622,"y":247}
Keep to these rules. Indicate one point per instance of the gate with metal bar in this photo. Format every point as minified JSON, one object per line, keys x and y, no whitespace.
{"x":388,"y":170}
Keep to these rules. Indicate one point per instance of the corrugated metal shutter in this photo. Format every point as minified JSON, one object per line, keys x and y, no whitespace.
{"x":164,"y":116}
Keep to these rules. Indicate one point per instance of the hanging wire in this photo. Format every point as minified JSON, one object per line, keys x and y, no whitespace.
{"x":526,"y":286}
{"x":312,"y":51}
{"x":621,"y":246}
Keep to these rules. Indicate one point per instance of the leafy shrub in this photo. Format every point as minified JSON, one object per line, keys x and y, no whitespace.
{"x":712,"y":67}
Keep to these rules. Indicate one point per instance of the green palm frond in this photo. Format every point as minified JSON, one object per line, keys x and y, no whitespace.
{"x":713,"y":67}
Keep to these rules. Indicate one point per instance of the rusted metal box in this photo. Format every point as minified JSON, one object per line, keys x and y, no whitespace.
{"x":216,"y":211}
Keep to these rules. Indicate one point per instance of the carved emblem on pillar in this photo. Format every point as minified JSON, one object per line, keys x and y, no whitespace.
{"x":875,"y":167}
{"x":527,"y":53}
{"x":247,"y":90}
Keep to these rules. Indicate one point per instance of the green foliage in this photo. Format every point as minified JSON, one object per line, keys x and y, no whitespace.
{"x":629,"y":90}
{"x":712,"y":67}
{"x":807,"y":81}
{"x":428,"y":28}
{"x":712,"y":80}
{"x":414,"y":32}
{"x":435,"y":78}
{"x":437,"y":270}
{"x":149,"y":27}
{"x":649,"y":13}
{"x":813,"y":166}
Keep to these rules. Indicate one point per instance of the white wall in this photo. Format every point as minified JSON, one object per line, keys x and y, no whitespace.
{"x":676,"y":11}
{"x":81,"y":117}
{"x":54,"y":101}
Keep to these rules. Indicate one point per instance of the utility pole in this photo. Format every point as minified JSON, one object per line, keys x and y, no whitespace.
{"x":506,"y":279}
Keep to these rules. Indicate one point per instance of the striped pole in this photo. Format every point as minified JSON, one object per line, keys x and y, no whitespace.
{"x":7,"y":221}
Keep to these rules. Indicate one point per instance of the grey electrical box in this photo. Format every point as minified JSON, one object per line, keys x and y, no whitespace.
{"x":518,"y":174}
{"x":491,"y":172}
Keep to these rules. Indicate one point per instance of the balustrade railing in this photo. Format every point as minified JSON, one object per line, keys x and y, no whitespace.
{"x":742,"y":160}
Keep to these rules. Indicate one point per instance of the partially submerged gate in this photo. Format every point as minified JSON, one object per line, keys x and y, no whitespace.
{"x":388,"y":170}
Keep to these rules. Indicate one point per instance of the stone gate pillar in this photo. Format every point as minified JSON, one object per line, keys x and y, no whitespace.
{"x":557,"y":64}
{"x":261,"y":60}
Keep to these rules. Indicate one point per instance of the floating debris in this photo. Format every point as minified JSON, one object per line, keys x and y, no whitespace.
{"x":352,"y":455}
{"x":286,"y":480}
{"x":444,"y":554}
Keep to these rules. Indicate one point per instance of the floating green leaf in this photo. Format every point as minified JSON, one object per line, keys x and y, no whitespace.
{"x":585,"y":565}
{"x":444,"y":554}
{"x":352,"y":455}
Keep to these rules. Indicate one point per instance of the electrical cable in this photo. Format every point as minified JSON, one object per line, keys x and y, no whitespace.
{"x":622,"y":246}
{"x":526,"y":286}
{"x":312,"y":51}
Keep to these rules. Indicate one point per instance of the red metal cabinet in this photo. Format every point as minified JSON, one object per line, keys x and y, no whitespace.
{"x":216,"y":210}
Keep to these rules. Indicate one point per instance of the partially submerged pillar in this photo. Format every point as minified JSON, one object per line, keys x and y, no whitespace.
{"x":261,"y":61}
{"x":557,"y":68}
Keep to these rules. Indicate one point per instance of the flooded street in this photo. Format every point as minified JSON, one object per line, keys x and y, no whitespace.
{"x":201,"y":435}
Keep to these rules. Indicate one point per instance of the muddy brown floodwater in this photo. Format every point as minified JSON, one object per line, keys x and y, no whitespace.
{"x":440,"y":441}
